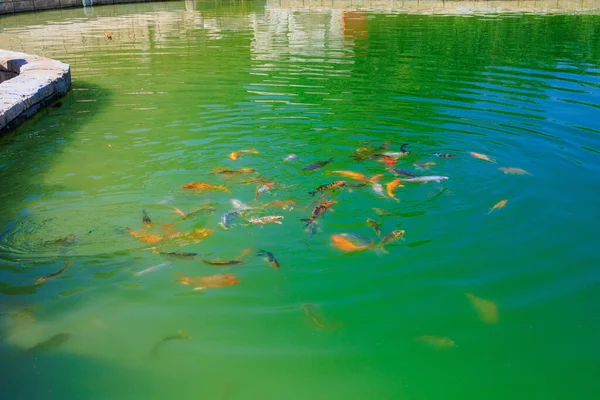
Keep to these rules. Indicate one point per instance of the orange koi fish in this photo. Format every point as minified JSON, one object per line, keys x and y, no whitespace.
{"x":213,"y":281}
{"x":345,"y":244}
{"x":498,"y":205}
{"x":146,"y":237}
{"x":108,"y":35}
{"x":204,"y":186}
{"x":393,"y":185}
{"x":357,"y":176}
{"x":236,"y":154}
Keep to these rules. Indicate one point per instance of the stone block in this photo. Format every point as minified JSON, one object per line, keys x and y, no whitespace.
{"x":46,"y":4}
{"x":70,"y":3}
{"x":6,"y":7}
{"x":24,"y":5}
{"x":40,"y":81}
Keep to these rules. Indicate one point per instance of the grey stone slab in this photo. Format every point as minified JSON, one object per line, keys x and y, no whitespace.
{"x":70,"y":3}
{"x":39,"y":82}
{"x":46,"y":4}
{"x":6,"y":7}
{"x":24,"y":5}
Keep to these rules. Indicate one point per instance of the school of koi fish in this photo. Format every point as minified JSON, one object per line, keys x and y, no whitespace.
{"x":319,"y":200}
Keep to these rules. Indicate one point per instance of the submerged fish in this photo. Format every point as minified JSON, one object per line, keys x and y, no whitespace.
{"x":204,"y":186}
{"x":498,"y":205}
{"x":207,"y":208}
{"x":269,"y":219}
{"x":236,"y":154}
{"x":54,"y":274}
{"x":194,"y":236}
{"x":146,"y":219}
{"x":270,"y":258}
{"x":425,"y":179}
{"x":481,"y":156}
{"x":378,"y":188}
{"x":283,"y":204}
{"x":150,"y":269}
{"x":70,"y":239}
{"x":222,"y":262}
{"x":108,"y":35}
{"x":392,"y":237}
{"x":398,"y":171}
{"x":345,"y":242}
{"x":375,"y":225}
{"x":393,"y":185}
{"x":50,"y":344}
{"x":179,"y":254}
{"x":436,"y":341}
{"x":443,"y":155}
{"x":514,"y":171}
{"x":318,"y":211}
{"x":146,"y":237}
{"x":178,"y":336}
{"x":212,"y":281}
{"x":317,"y":165}
{"x":317,"y":319}
{"x":239,"y":206}
{"x":329,"y":186}
{"x":227,"y":171}
{"x":290,"y":157}
{"x":264,"y":188}
{"x":487,"y":310}
{"x":227,"y":218}
{"x":423,"y":166}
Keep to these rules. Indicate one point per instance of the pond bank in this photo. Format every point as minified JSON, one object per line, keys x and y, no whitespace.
{"x":16,"y":6}
{"x":27,"y":83}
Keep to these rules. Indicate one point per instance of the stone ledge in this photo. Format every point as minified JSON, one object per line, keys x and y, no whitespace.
{"x":33,"y":82}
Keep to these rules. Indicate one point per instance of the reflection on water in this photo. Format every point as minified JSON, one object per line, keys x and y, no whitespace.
{"x":102,"y":244}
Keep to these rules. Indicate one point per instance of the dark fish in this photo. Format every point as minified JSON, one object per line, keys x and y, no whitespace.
{"x":270,"y":258}
{"x":54,"y":274}
{"x":398,"y":171}
{"x":64,"y":240}
{"x":312,"y":229}
{"x":355,"y":185}
{"x":50,"y":344}
{"x":318,"y":211}
{"x":443,"y":155}
{"x":317,"y":165}
{"x":177,"y":254}
{"x":375,"y":225}
{"x":330,"y":186}
{"x":178,"y":336}
{"x":402,"y":150}
{"x":146,"y":219}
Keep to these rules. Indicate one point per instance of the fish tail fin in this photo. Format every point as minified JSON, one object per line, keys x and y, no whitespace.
{"x":375,"y":178}
{"x":182,"y":278}
{"x":403,"y":146}
{"x":312,"y":193}
{"x":379,"y":250}
{"x":223,"y":188}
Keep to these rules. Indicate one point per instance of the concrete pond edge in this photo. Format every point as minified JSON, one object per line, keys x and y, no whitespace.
{"x":28,"y":83}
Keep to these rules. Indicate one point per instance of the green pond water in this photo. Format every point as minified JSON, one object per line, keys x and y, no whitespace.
{"x":182,"y":85}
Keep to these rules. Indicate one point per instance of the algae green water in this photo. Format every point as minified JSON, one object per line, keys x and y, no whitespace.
{"x":181,"y":86}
